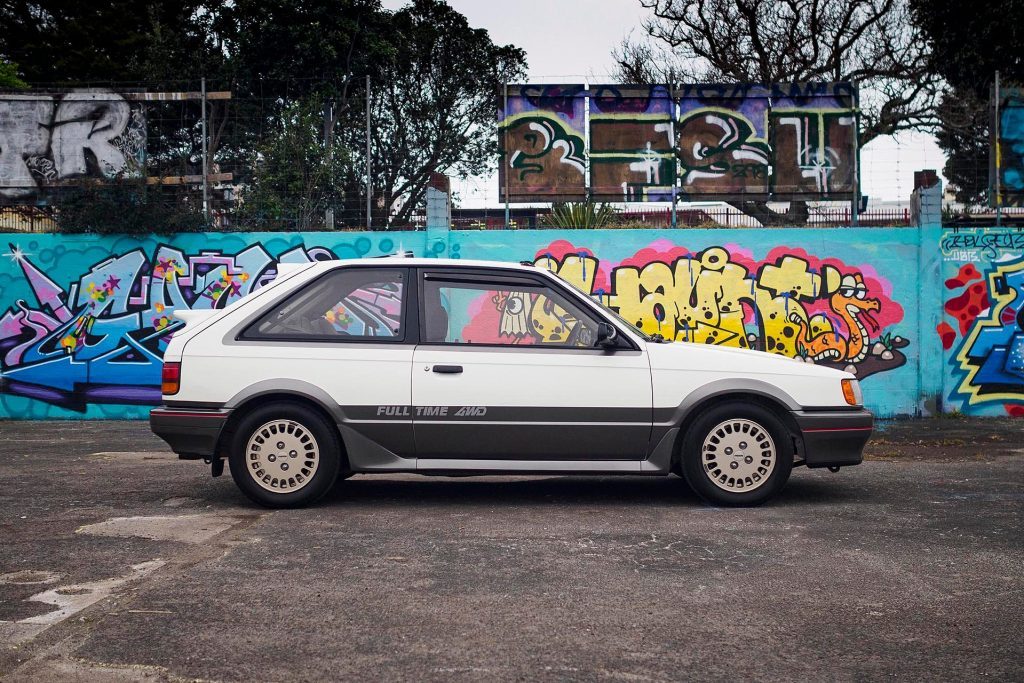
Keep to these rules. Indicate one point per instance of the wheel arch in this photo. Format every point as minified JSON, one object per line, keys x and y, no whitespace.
{"x":283,"y":391}
{"x":715,"y":394}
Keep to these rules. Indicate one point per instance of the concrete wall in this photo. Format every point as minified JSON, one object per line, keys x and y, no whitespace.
{"x":84,"y":319}
{"x":982,"y":326}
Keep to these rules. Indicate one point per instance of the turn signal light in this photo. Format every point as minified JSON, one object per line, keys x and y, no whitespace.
{"x":170,"y":379}
{"x":851,"y":392}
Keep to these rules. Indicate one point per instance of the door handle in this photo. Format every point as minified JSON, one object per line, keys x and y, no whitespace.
{"x":448,"y":369}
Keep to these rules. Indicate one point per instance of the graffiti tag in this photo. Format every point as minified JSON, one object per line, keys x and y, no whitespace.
{"x":45,"y":139}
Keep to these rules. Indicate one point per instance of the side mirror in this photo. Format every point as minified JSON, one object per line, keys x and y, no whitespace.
{"x":607,"y":336}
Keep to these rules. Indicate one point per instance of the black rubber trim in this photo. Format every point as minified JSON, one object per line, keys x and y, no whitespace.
{"x":190,"y":432}
{"x":850,"y":418}
{"x":829,"y":409}
{"x":190,"y":405}
{"x":477,"y":278}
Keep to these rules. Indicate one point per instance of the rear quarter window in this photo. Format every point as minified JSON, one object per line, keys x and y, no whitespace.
{"x":354,"y":304}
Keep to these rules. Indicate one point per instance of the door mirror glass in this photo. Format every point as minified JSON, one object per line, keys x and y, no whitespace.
{"x":607,"y":335}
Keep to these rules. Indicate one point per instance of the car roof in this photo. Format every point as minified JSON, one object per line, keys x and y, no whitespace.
{"x":399,"y":260}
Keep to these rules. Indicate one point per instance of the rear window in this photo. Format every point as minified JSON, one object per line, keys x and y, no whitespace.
{"x":352,"y":304}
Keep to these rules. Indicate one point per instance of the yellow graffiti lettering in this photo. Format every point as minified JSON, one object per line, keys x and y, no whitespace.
{"x":708,"y":298}
{"x":578,"y":271}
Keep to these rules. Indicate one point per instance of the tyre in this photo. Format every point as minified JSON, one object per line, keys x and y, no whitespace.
{"x":284,"y":455}
{"x":737,"y":454}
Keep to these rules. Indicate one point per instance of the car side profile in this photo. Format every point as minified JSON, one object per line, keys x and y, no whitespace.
{"x":445,"y":367}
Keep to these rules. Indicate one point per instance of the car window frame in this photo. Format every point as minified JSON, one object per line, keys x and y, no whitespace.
{"x":409,"y":324}
{"x":496,"y":276}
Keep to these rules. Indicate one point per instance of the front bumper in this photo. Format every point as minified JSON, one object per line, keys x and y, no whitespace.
{"x":834,"y":438}
{"x":190,"y":432}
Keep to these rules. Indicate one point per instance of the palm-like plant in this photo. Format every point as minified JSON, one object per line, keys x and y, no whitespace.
{"x":582,"y":215}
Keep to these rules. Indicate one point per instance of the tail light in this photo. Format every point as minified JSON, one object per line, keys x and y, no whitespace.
{"x":170,"y":379}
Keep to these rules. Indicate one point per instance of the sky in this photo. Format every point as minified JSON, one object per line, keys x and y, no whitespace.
{"x":574,"y":39}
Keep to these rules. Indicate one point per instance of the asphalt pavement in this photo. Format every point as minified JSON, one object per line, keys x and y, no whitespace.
{"x":119,"y":562}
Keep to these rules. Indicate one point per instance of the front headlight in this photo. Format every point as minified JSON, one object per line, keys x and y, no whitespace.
{"x":852,"y":393}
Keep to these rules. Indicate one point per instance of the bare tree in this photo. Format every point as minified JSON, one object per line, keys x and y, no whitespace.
{"x":872,"y":42}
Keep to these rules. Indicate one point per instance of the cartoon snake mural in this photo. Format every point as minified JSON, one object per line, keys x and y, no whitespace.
{"x":823,"y":342}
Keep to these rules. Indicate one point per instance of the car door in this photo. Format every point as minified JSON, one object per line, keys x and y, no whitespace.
{"x":507,"y":368}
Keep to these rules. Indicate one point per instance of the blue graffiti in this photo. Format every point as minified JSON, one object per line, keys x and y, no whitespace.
{"x":1011,"y":133}
{"x":102,"y":339}
{"x":993,"y":354}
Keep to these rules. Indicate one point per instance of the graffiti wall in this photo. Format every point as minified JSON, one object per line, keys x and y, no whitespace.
{"x":982,"y":330}
{"x":84,"y":320}
{"x":929,"y":319}
{"x":541,"y":142}
{"x":790,"y":141}
{"x":632,"y":144}
{"x":47,"y":140}
{"x":846,"y":298}
{"x":652,"y":143}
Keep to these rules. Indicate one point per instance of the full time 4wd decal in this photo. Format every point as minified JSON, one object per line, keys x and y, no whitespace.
{"x":400,"y":412}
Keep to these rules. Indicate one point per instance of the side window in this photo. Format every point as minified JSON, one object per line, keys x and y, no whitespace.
{"x":349,"y":304}
{"x":473,"y":313}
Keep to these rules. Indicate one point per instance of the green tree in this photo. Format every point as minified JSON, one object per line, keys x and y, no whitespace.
{"x":286,"y":63}
{"x":332,"y":47}
{"x":433,"y":104}
{"x":969,"y":43}
{"x":9,"y":76}
{"x":78,"y":43}
{"x":126,"y":205}
{"x":293,"y":175}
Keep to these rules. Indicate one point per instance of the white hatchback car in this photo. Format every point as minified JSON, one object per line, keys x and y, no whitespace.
{"x":468,"y":367}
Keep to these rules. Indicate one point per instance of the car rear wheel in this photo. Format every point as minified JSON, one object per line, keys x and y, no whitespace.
{"x":737,"y":454}
{"x":284,"y":455}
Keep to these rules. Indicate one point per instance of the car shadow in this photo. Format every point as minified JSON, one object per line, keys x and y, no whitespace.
{"x":540,"y":490}
{"x":410,"y":491}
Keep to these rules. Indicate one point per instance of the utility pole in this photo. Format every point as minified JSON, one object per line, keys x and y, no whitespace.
{"x":206,"y":166}
{"x":369,"y":168}
{"x":329,"y":149}
{"x":999,"y":180}
{"x":502,"y":158}
{"x":675,"y":155}
{"x":855,"y":204}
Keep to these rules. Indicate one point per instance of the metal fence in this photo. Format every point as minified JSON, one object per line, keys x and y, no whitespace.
{"x":727,"y":217}
{"x":27,"y":219}
{"x":47,"y":219}
{"x":661,"y":217}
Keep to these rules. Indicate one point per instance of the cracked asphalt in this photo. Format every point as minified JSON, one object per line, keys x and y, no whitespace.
{"x":119,"y":562}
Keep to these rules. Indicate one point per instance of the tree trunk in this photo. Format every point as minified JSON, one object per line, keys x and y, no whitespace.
{"x":797,"y":214}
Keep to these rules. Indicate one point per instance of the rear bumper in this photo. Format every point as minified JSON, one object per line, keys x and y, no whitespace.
{"x":189,"y":432}
{"x":834,"y":438}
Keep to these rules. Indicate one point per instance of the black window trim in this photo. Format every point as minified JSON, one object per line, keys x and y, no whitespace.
{"x":409,"y":323}
{"x":485,"y":276}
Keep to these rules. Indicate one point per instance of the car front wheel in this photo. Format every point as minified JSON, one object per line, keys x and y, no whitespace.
{"x":284,"y":455}
{"x":737,"y":454}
